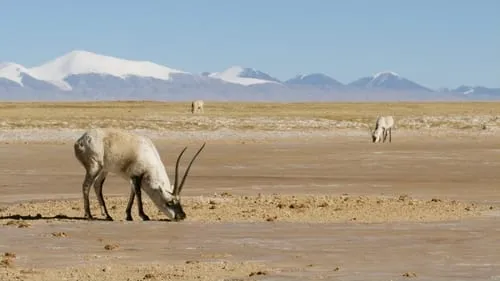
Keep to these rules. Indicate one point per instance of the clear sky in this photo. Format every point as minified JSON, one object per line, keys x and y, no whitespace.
{"x":438,"y":43}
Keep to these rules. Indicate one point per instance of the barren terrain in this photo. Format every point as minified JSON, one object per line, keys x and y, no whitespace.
{"x":281,"y":192}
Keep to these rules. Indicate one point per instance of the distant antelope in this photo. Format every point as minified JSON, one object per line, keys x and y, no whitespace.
{"x":383,"y":126}
{"x":197,"y":106}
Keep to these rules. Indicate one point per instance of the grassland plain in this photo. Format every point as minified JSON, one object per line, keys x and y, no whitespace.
{"x":245,"y":116}
{"x":242,"y":122}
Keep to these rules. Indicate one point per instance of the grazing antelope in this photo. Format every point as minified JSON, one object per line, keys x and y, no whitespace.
{"x":197,"y":106}
{"x":136,"y":159}
{"x":383,"y":126}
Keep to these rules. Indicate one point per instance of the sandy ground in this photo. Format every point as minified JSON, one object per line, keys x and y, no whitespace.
{"x":331,"y":207}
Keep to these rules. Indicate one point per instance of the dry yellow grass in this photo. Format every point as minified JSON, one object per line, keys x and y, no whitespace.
{"x":176,"y":115}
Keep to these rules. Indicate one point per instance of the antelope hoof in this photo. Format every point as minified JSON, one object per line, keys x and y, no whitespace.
{"x":145,"y":217}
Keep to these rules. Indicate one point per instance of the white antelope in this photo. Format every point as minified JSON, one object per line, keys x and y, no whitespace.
{"x":197,"y":106}
{"x":383,"y":126}
{"x":136,"y":159}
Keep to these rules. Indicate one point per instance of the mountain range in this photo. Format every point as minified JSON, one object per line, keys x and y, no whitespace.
{"x":83,"y":75}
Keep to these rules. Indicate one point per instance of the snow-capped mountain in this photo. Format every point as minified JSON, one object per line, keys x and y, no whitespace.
{"x":13,"y":72}
{"x":243,"y":76}
{"x":466,"y":90}
{"x":477,"y":91}
{"x":13,"y":75}
{"x":83,"y":75}
{"x":314,"y":79}
{"x":388,"y":80}
{"x":83,"y":62}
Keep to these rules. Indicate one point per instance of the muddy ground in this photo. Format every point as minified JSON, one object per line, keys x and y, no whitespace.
{"x":331,"y":208}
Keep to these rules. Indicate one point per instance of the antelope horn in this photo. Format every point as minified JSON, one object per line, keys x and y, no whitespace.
{"x":176,"y":181}
{"x":187,"y":169}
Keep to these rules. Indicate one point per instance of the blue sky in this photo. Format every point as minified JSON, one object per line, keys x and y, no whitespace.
{"x":435,"y":43}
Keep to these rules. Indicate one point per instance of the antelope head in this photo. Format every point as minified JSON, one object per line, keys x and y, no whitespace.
{"x":173,"y":204}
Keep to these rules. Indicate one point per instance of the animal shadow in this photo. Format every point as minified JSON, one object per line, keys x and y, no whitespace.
{"x":62,"y":217}
{"x":40,"y":217}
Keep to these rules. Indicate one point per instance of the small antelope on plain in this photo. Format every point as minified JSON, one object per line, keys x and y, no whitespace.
{"x":197,"y":106}
{"x":383,"y":127}
{"x":136,"y":159}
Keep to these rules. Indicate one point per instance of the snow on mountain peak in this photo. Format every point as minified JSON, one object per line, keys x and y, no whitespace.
{"x":382,"y":77}
{"x":385,"y":74}
{"x":12,"y":71}
{"x":316,"y":79}
{"x":233,"y":71}
{"x":466,"y":89}
{"x":239,"y":75}
{"x":84,"y":62}
{"x":305,"y":76}
{"x":470,"y":91}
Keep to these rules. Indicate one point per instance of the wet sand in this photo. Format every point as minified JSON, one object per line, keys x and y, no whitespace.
{"x":337,"y":208}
